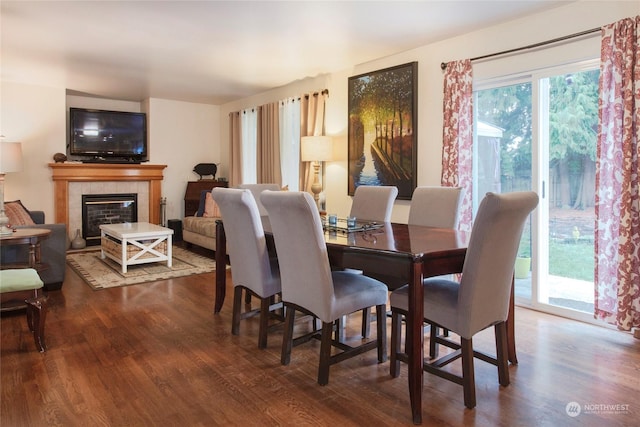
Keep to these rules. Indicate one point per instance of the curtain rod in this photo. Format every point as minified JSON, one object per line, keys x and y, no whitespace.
{"x":443,"y":65}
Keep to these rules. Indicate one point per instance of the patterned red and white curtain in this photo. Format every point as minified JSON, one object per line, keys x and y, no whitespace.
{"x":457,"y":135}
{"x":617,"y":235}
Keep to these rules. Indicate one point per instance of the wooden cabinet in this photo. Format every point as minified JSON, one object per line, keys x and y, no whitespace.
{"x":192,"y":195}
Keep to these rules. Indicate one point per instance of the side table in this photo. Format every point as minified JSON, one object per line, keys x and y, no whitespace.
{"x":31,"y":237}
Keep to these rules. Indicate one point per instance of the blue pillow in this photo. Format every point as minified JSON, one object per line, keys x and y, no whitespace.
{"x":203,"y":196}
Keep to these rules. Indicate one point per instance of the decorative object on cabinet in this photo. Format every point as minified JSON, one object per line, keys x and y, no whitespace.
{"x":205,"y":169}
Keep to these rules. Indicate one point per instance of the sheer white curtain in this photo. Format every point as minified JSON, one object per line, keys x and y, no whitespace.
{"x":235,"y":149}
{"x":249,"y":125}
{"x":290,"y":142}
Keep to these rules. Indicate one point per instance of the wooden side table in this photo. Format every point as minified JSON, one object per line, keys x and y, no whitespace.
{"x":31,"y":237}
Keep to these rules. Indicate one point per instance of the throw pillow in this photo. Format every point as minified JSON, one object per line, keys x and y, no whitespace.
{"x":210,"y":207}
{"x":17,"y":214}
{"x":203,"y":197}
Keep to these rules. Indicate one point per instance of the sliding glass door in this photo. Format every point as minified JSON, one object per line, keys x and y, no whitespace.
{"x":538,"y":132}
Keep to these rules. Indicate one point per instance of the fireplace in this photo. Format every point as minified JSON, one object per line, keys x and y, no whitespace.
{"x":100,"y":209}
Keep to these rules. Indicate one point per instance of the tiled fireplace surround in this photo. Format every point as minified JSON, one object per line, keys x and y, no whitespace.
{"x":72,"y":180}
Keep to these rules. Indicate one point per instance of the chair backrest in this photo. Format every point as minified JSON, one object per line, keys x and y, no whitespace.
{"x":256,"y":189}
{"x":373,"y":202}
{"x":302,"y":252}
{"x":487,"y":274}
{"x":435,"y":206}
{"x":246,"y":242}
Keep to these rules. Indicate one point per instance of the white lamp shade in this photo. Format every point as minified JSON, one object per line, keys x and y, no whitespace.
{"x":316,"y":148}
{"x":10,"y":157}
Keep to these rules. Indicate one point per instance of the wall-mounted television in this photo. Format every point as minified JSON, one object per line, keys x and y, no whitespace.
{"x":108,"y":136}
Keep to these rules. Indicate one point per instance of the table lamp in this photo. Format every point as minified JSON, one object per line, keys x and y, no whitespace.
{"x":10,"y":161}
{"x":316,"y":149}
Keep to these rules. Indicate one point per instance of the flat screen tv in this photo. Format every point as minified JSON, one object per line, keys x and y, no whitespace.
{"x":107,"y":135}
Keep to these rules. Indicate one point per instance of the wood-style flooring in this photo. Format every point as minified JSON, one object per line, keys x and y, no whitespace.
{"x":154,"y":354}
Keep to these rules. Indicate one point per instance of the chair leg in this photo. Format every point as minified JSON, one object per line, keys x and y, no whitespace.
{"x":501,"y":353}
{"x":237,"y":307}
{"x":433,"y":345}
{"x":325,"y":353}
{"x":340,"y":325}
{"x":36,"y":315}
{"x":264,"y":322}
{"x":381,"y":320}
{"x":396,"y":332}
{"x":287,"y":338}
{"x":366,"y":323}
{"x":468,"y":378}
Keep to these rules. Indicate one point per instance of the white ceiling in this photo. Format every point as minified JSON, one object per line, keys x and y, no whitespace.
{"x":218,"y":51}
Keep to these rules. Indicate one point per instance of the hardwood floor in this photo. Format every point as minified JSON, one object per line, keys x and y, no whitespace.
{"x":155,"y":354}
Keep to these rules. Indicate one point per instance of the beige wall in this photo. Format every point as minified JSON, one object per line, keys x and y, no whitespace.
{"x":35,"y":116}
{"x":182,"y":134}
{"x":558,"y":22}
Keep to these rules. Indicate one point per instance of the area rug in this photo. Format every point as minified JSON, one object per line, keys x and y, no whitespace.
{"x":105,"y":273}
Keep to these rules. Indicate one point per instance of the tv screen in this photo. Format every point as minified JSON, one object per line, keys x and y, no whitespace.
{"x":101,"y":133}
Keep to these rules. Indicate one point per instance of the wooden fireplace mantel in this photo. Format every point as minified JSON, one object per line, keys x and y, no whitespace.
{"x":64,"y":173}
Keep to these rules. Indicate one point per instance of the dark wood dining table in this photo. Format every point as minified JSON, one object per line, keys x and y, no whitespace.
{"x":396,"y":254}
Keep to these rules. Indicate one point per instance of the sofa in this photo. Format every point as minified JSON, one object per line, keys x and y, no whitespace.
{"x":53,"y":250}
{"x":200,"y":229}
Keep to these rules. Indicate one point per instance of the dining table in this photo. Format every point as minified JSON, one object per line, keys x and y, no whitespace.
{"x":397,"y":254}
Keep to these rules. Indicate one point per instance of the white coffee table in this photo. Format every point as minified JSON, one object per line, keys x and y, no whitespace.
{"x":133,"y":243}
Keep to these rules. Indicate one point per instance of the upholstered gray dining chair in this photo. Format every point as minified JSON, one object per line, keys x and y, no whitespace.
{"x":309,"y":285}
{"x":435,"y":206}
{"x":256,"y":189}
{"x":480,"y":300}
{"x":252,"y":270}
{"x":370,"y":203}
{"x":373,"y":202}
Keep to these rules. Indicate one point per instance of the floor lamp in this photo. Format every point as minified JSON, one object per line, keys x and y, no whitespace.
{"x":10,"y":161}
{"x":316,"y":149}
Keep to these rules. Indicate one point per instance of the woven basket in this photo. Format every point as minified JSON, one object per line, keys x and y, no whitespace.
{"x":114,"y":247}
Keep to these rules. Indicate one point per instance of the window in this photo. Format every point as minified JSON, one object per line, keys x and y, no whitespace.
{"x":249,"y":124}
{"x":290,"y":143}
{"x":538,"y":131}
{"x":289,"y":123}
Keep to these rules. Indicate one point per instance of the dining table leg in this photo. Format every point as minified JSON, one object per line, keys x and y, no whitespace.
{"x":221,"y":266}
{"x":415,"y":340}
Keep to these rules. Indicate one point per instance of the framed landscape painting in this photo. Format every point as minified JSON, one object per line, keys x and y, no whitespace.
{"x":382,"y":129}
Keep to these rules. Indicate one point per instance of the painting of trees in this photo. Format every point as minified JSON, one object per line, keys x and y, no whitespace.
{"x":382,"y":134}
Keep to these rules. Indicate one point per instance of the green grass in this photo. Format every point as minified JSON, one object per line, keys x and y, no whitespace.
{"x":573,"y":260}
